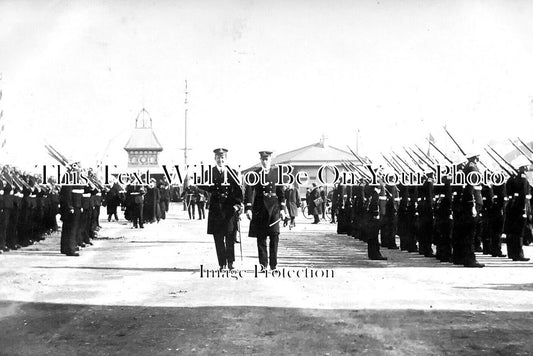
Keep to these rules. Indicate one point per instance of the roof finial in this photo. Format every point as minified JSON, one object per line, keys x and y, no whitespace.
{"x":323,"y":141}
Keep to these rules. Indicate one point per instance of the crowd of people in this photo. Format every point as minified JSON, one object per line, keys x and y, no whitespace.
{"x":195,"y":198}
{"x":29,"y":208}
{"x":458,"y":219}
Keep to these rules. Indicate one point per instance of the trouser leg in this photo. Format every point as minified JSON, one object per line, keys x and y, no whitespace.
{"x":230,"y":246}
{"x":274,"y":241}
{"x":468,"y":241}
{"x":372,"y":233}
{"x":4,"y":220}
{"x":262,"y":251}
{"x":12,"y":232}
{"x":221,"y":249}
{"x":66,"y":231}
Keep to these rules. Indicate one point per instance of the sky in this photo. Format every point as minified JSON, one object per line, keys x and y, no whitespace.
{"x":261,"y":75}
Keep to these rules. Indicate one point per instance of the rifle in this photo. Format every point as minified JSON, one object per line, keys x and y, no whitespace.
{"x":388,"y":162}
{"x":459,"y":147}
{"x":408,"y":166}
{"x":414,"y":160}
{"x":503,"y":159}
{"x":358,"y":158}
{"x":526,"y":146}
{"x":424,"y":161}
{"x":431,"y":160}
{"x":355,"y":168}
{"x":522,"y":152}
{"x":439,"y":151}
{"x":404,"y":163}
{"x":498,"y":162}
{"x":397,"y":167}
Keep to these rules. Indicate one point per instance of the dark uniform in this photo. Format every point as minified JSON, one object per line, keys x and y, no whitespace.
{"x":70,"y":199}
{"x":266,"y":202}
{"x":224,"y":208}
{"x":425,"y":209}
{"x":444,"y":221}
{"x":135,"y":202}
{"x":372,"y":217}
{"x":471,"y":205}
{"x":389,"y":227}
{"x":517,"y":210}
{"x":496,"y":219}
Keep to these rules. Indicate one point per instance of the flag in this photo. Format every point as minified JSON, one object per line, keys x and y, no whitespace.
{"x":431,"y":140}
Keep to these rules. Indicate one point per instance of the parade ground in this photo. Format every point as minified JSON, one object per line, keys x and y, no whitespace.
{"x":157,"y":291}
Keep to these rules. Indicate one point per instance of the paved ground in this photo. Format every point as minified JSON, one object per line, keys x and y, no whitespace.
{"x":142,"y":291}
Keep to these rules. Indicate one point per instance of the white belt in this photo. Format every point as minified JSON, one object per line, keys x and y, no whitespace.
{"x":397,"y":199}
{"x":78,"y":191}
{"x":33,"y":196}
{"x":442,"y":195}
{"x":528,"y":196}
{"x":516,"y":194}
{"x":20,"y":195}
{"x":382,"y":198}
{"x":87,"y":195}
{"x":495,"y":197}
{"x":98,"y":194}
{"x":477,"y":187}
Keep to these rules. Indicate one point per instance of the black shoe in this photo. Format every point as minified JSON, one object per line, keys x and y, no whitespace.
{"x":521,"y":259}
{"x":474,"y":264}
{"x":6,"y":249}
{"x":393,"y":247}
{"x":498,"y":255}
{"x":273,"y":268}
{"x":429,"y":254}
{"x":230,"y":266}
{"x":73,"y":254}
{"x":222,"y":268}
{"x":478,"y":249}
{"x":378,"y":258}
{"x":89,"y":243}
{"x":83,"y":244}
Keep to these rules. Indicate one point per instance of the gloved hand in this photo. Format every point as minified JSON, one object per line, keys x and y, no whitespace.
{"x":249,"y":214}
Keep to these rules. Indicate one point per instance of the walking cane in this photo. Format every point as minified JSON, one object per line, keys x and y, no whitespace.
{"x":240,"y":239}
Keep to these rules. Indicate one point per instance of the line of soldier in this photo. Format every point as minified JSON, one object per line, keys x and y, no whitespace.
{"x":457,"y":219}
{"x":146,"y":204}
{"x":27,"y":209}
{"x":79,"y":206}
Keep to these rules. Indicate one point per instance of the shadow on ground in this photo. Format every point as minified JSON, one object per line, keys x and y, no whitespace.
{"x":39,"y":329}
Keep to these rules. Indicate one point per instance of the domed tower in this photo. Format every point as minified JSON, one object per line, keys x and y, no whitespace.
{"x":143,"y":146}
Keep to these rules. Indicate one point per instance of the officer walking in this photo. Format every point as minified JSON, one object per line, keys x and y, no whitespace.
{"x":224,"y":208}
{"x":265,"y":207}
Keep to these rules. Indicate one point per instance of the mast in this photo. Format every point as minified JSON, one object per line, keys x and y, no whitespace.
{"x":186,"y":109}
